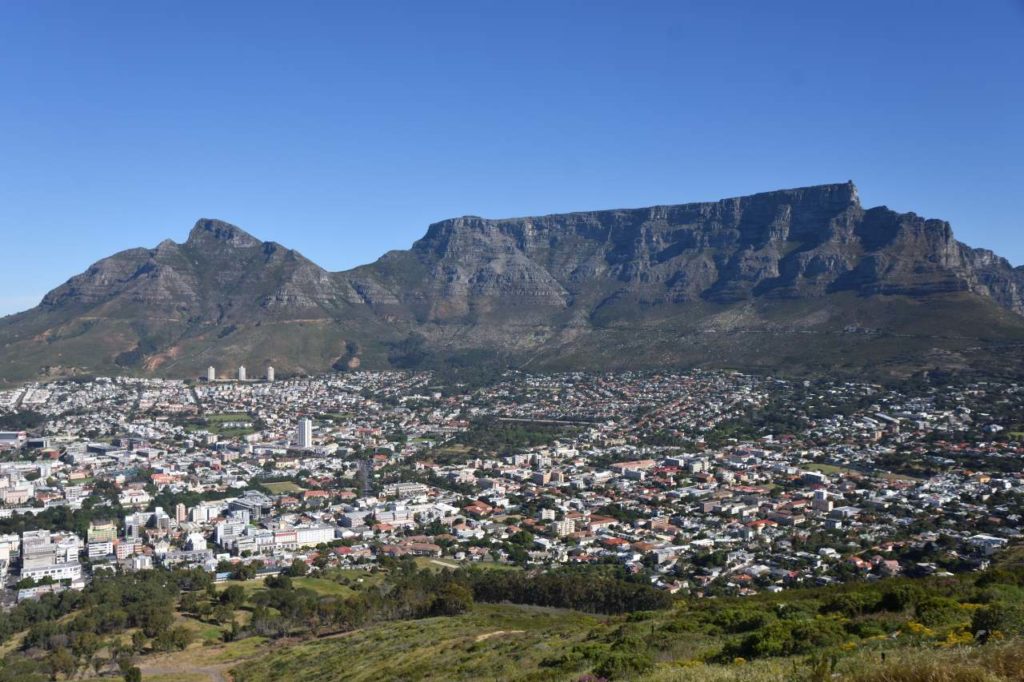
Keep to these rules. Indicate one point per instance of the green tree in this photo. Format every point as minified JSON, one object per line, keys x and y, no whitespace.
{"x":60,"y":662}
{"x":298,"y":568}
{"x":233,"y":596}
{"x":452,"y":599}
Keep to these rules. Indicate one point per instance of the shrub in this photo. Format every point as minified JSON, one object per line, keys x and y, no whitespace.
{"x":999,"y":617}
{"x":901,"y":597}
{"x":936,"y":611}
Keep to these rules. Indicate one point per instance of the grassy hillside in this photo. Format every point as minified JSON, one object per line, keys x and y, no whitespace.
{"x":521,"y":643}
{"x":404,"y":621}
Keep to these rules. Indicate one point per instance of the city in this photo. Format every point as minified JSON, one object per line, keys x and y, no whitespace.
{"x":706,"y":483}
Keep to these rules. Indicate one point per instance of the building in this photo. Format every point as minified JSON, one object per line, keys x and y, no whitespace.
{"x":9,"y":546}
{"x":101,"y":531}
{"x":256,"y":504}
{"x":50,"y":556}
{"x":304,"y":433}
{"x":405,"y":490}
{"x":206,"y":511}
{"x":241,"y":372}
{"x":211,"y":373}
{"x":12,"y":439}
{"x":155,"y":523}
{"x":270,"y":373}
{"x":98,"y":550}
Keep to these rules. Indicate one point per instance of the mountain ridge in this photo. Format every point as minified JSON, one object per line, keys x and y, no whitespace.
{"x":560,"y":290}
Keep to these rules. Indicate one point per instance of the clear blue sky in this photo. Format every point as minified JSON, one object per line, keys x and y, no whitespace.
{"x":342,"y":129}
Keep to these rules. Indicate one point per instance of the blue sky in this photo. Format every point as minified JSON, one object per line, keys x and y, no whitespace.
{"x":343,"y":129}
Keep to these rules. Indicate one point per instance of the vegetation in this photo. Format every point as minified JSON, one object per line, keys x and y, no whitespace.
{"x":506,"y":437}
{"x":402,"y":621}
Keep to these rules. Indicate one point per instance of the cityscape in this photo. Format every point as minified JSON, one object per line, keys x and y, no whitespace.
{"x":512,"y":342}
{"x":668,"y":474}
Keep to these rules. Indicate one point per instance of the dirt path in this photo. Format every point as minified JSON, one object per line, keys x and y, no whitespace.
{"x":443,"y":563}
{"x":497,"y":633}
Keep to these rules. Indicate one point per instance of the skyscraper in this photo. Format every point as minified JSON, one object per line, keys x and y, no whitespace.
{"x":270,"y":373}
{"x":241,"y":372}
{"x":211,"y":373}
{"x":304,"y":433}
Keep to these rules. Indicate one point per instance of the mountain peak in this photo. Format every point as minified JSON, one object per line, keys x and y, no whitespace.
{"x":798,"y":267}
{"x":208,"y":231}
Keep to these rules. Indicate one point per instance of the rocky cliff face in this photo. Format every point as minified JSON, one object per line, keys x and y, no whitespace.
{"x":807,"y":242}
{"x":719,"y":283}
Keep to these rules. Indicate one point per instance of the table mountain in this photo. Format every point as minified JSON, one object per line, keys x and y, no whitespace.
{"x":790,"y":281}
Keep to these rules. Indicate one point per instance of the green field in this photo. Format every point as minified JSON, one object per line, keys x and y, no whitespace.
{"x":222,"y":417}
{"x":830,"y":469}
{"x":324,"y":588}
{"x":283,"y":487}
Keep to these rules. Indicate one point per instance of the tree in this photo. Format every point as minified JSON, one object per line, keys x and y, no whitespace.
{"x":190,"y":602}
{"x":154,"y":618}
{"x":60,"y":662}
{"x":233,"y":596}
{"x":452,"y":599}
{"x":133,"y":674}
{"x":224,"y":614}
{"x":85,"y":645}
{"x":298,"y":568}
{"x":176,"y":638}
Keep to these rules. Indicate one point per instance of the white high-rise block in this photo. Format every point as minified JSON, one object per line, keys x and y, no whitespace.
{"x":241,"y":373}
{"x":304,"y":433}
{"x":270,"y":373}
{"x":211,"y":373}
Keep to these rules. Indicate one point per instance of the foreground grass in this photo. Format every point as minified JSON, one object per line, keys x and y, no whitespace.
{"x":505,"y":642}
{"x":479,"y":648}
{"x":491,"y":642}
{"x":170,"y":677}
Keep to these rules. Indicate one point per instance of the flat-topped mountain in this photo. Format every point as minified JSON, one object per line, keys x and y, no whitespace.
{"x":792,"y":281}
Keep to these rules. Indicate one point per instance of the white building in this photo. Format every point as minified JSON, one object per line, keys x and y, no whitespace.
{"x":98,"y":550}
{"x":270,"y":373}
{"x":211,"y":373}
{"x":304,"y":433}
{"x":195,"y":542}
{"x":241,"y":372}
{"x":46,"y":556}
{"x":206,"y":511}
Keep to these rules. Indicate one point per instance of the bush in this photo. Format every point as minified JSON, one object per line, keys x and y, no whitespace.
{"x":852,"y":604}
{"x":735,"y":620}
{"x":1000,"y":617}
{"x":901,"y":597}
{"x":936,"y":611}
{"x":617,"y":665}
{"x":788,"y":638}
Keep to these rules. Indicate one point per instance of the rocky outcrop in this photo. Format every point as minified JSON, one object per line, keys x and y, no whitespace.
{"x":807,"y":242}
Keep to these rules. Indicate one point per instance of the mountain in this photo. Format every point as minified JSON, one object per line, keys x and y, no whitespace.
{"x":792,"y":281}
